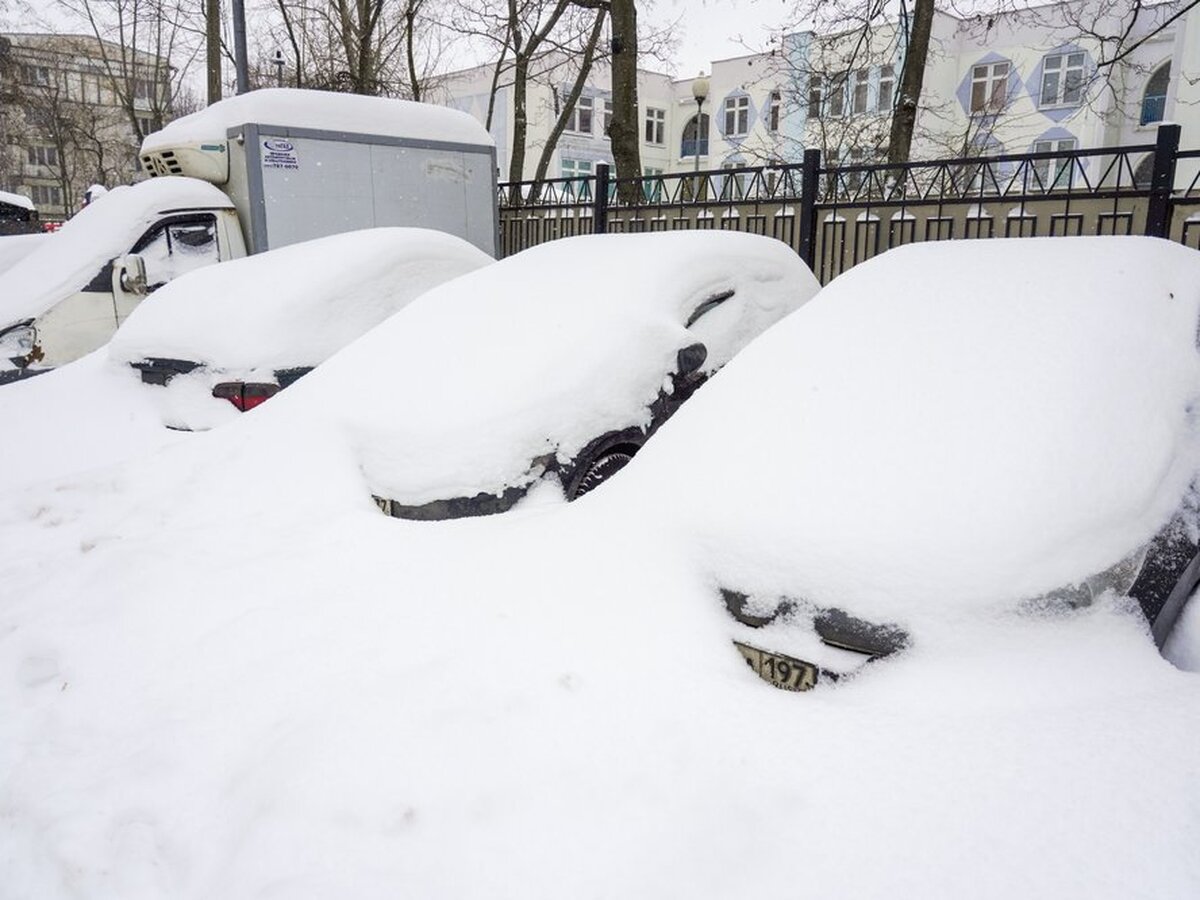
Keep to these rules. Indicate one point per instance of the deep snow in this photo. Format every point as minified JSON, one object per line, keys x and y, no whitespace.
{"x":229,"y":675}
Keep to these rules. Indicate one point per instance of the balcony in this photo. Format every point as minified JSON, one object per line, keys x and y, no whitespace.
{"x":1153,"y":107}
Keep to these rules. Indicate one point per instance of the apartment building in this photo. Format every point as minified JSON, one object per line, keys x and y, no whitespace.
{"x":73,"y":110}
{"x":1031,"y":80}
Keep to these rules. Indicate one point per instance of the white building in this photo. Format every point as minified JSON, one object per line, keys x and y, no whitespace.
{"x":1032,"y":80}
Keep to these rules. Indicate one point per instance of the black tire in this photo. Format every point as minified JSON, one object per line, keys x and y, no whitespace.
{"x":600,"y":470}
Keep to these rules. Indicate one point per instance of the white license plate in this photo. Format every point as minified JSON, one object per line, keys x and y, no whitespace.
{"x":784,"y":672}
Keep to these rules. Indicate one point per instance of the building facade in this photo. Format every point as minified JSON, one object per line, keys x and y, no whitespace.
{"x":73,"y":110}
{"x":1027,"y":81}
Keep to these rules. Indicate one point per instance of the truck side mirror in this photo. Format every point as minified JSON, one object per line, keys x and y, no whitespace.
{"x":129,"y":274}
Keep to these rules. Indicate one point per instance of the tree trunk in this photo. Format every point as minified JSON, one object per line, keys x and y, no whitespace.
{"x":564,"y":114}
{"x":516,"y":165}
{"x":912,"y":78}
{"x":212,"y":40}
{"x":623,"y":132}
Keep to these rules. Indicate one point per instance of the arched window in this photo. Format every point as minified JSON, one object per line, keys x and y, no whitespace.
{"x":1154,"y":98}
{"x":1144,"y":173}
{"x":695,"y":136}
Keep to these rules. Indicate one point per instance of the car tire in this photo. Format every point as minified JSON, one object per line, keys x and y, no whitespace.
{"x":600,"y":469}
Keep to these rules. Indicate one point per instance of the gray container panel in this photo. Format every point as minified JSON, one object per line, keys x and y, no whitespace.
{"x":315,"y":189}
{"x":450,"y":190}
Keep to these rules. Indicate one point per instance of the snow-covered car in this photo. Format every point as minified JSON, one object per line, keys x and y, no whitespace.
{"x":551,"y":367}
{"x":972,"y":428}
{"x":224,"y":339}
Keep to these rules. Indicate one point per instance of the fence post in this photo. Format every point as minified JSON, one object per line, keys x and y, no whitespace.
{"x":808,"y":207}
{"x":600,"y":200}
{"x":1162,"y":182}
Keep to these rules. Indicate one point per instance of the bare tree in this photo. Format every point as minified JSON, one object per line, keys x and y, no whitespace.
{"x":623,"y":133}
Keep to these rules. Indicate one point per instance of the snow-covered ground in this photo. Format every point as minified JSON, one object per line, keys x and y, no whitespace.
{"x":229,"y":675}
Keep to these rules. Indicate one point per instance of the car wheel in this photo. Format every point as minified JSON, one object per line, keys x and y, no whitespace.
{"x":601,"y":469}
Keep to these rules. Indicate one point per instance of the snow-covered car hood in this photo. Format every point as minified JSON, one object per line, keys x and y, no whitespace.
{"x":540,"y":353}
{"x":949,"y":426}
{"x":91,"y":238}
{"x":289,"y":308}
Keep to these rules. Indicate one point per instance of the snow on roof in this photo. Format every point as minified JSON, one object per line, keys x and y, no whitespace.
{"x":324,"y":110}
{"x":293,"y":306}
{"x":965,"y":423}
{"x":105,"y":228}
{"x":16,"y":200}
{"x":543,"y":352}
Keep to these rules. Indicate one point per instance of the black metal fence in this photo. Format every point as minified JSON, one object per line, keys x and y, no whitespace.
{"x":838,"y":216}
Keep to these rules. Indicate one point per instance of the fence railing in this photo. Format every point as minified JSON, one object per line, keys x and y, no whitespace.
{"x":837,"y":216}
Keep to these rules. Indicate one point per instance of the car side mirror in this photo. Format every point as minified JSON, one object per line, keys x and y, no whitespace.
{"x":129,"y":275}
{"x":690,"y":358}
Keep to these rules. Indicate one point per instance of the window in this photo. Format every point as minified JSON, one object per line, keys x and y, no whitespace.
{"x":861,"y":82}
{"x":695,"y":137}
{"x":837,"y":95}
{"x":989,"y":87}
{"x":606,"y":117}
{"x":579,"y":169}
{"x":737,"y":116}
{"x":733,"y":187}
{"x":1062,"y":80}
{"x":854,"y":179}
{"x":656,"y":126}
{"x":146,"y":124}
{"x":143,"y":89}
{"x":887,"y":82}
{"x":1053,"y":173}
{"x":45,"y":195}
{"x":91,"y":88}
{"x":1154,"y":99}
{"x":652,"y":184}
{"x":816,"y":85}
{"x":774,"y":106}
{"x":178,"y":247}
{"x":39,"y":75}
{"x":43,"y":156}
{"x":580,"y":119}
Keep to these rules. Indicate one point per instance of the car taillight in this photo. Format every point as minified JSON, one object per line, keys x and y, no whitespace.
{"x":245,"y":395}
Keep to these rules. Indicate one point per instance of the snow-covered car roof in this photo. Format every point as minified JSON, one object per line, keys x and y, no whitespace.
{"x":543,"y":352}
{"x":91,"y":238}
{"x":16,"y":200}
{"x":289,"y":308}
{"x":949,"y":426}
{"x":324,"y":110}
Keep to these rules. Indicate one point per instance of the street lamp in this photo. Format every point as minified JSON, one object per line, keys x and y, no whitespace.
{"x":700,"y":92}
{"x":277,"y":62}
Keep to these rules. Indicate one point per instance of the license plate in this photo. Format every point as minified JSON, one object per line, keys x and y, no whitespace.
{"x":784,"y":672}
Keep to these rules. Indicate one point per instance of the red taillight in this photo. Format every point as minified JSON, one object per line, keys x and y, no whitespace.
{"x":245,"y":395}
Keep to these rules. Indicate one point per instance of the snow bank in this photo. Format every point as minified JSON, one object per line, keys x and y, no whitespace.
{"x":16,"y":200}
{"x":291,"y":108}
{"x":541,"y":353}
{"x":294,"y":306}
{"x":81,"y":416}
{"x":91,"y":238}
{"x":226,"y":675}
{"x":951,"y":425}
{"x":15,"y":247}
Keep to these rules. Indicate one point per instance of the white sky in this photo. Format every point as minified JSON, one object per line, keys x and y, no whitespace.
{"x":718,"y":29}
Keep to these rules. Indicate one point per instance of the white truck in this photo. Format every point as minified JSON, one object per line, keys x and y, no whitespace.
{"x":248,"y":174}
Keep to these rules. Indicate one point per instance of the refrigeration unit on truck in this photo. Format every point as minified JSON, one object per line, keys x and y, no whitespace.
{"x":249,"y":174}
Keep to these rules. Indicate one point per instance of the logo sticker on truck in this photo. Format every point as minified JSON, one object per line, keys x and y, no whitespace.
{"x":279,"y":154}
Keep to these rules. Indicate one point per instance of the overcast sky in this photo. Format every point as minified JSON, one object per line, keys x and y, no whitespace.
{"x":719,"y":29}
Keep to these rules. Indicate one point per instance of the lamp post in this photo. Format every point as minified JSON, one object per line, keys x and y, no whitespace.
{"x":277,"y":62}
{"x":700,"y":92}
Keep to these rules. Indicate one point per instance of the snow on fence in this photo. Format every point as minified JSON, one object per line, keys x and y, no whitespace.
{"x":838,"y":216}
